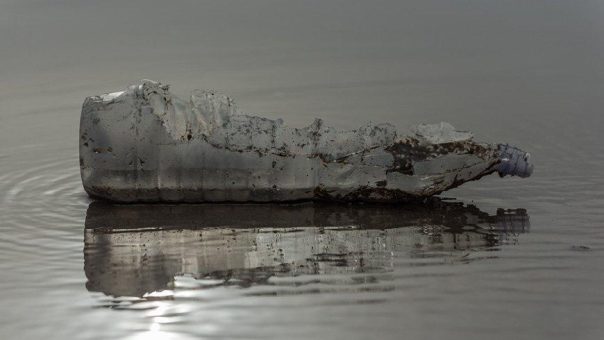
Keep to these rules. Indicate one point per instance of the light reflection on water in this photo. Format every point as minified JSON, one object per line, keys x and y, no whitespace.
{"x":172,"y":262}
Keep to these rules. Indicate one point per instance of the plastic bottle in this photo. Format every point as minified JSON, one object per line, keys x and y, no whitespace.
{"x":146,"y":145}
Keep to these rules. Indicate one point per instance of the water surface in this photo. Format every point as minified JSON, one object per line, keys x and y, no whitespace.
{"x":505,"y":258}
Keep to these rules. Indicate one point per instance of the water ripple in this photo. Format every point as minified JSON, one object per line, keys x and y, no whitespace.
{"x":166,"y":266}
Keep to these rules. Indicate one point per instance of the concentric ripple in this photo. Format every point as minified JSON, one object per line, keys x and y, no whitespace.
{"x":42,"y":203}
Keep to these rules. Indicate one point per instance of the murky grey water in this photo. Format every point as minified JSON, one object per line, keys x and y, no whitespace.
{"x":508,"y":258}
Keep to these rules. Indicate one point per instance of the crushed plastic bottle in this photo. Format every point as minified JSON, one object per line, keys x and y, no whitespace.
{"x":146,"y":145}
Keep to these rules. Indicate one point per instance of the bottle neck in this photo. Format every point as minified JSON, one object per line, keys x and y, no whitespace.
{"x":514,"y":162}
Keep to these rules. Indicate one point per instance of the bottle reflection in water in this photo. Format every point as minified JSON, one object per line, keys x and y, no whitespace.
{"x":132,"y":250}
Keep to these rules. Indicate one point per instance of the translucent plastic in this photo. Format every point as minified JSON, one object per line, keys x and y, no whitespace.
{"x":145,"y":144}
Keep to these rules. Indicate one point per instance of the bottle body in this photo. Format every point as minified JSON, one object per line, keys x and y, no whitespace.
{"x":146,"y":145}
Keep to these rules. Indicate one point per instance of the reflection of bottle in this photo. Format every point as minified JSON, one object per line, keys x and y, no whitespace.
{"x":131,"y":250}
{"x":145,"y":144}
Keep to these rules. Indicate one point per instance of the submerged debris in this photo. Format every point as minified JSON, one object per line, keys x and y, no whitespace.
{"x":145,"y":144}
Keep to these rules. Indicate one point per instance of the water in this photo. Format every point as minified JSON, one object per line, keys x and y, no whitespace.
{"x":527,"y":73}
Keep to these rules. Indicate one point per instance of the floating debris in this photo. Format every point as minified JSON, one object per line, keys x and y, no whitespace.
{"x":146,"y":145}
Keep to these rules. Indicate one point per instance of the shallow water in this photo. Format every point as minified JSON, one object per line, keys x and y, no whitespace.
{"x":507,"y":258}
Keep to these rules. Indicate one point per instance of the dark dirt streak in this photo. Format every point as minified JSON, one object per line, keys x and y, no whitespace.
{"x":408,"y":151}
